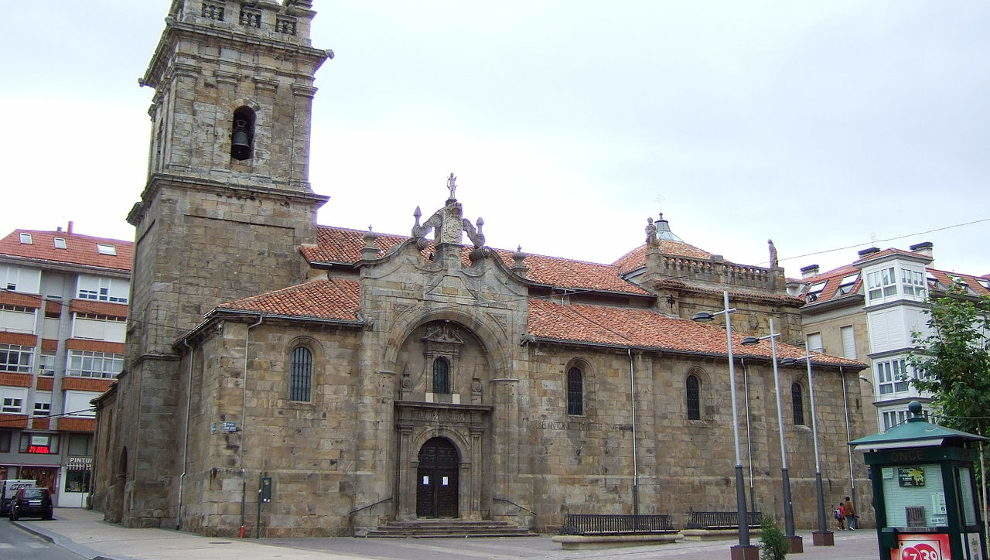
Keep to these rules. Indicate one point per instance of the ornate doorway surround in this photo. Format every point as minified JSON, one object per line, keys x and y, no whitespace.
{"x":438,"y":440}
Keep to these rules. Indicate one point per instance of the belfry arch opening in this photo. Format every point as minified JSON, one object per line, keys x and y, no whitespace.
{"x":242,"y":134}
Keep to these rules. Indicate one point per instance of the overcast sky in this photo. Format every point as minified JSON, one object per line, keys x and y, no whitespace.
{"x":568,"y":123}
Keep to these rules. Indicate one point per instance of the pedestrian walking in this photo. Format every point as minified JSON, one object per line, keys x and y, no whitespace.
{"x":850,"y":510}
{"x":840,"y":516}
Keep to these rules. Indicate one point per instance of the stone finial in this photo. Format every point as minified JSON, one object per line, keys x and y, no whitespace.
{"x":651,"y":232}
{"x":474,"y":232}
{"x":519,"y":262}
{"x":452,"y":186}
{"x":774,"y":263}
{"x":370,"y":250}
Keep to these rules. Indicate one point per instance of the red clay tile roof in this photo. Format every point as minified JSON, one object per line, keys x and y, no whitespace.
{"x":80,"y":249}
{"x":335,"y":298}
{"x":98,"y":308}
{"x":833,"y":278}
{"x":647,"y":329}
{"x":20,"y":300}
{"x":946,"y":280}
{"x":342,"y":245}
{"x":888,"y":252}
{"x":637,"y":257}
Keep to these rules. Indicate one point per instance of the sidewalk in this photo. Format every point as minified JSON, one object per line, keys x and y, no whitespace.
{"x":85,"y":533}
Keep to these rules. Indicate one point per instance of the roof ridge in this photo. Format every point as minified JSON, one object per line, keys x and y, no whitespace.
{"x":71,"y":235}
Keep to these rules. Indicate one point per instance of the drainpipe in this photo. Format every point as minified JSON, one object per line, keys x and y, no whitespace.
{"x":240,"y":450}
{"x":749,"y":436}
{"x":632,"y":403}
{"x":849,"y":455}
{"x":185,"y":436}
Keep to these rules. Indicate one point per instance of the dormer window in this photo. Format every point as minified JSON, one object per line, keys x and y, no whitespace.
{"x":932,"y":281}
{"x":59,"y":243}
{"x":26,"y":239}
{"x":847,"y":283}
{"x":106,"y":249}
{"x":815,"y":290}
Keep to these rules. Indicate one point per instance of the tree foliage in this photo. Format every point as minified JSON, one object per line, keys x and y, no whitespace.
{"x":953,"y":361}
{"x":773,"y":543}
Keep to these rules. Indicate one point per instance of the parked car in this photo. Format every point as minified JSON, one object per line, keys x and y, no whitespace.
{"x":10,"y":487}
{"x":31,"y":502}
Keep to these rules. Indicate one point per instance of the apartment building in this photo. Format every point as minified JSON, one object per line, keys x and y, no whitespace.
{"x":63,"y":312}
{"x":869,"y":310}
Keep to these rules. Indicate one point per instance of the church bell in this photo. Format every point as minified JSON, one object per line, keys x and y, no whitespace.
{"x":240,"y":143}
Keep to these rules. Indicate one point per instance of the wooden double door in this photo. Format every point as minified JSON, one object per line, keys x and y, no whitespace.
{"x":436,"y":480}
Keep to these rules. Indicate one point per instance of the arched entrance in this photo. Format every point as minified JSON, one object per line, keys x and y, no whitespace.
{"x":436,"y":480}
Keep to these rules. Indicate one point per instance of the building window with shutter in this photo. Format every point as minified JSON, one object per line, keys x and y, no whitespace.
{"x":301,"y":377}
{"x":848,"y":342}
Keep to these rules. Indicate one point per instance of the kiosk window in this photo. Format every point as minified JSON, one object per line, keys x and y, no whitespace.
{"x":966,"y":496}
{"x":917,"y":488}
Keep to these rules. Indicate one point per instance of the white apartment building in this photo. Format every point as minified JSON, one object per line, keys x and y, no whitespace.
{"x":869,"y":310}
{"x":63,"y":312}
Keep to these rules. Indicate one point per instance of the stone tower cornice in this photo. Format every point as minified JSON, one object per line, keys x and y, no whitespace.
{"x":175,"y":30}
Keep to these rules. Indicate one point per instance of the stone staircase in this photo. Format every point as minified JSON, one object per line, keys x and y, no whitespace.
{"x":447,"y":528}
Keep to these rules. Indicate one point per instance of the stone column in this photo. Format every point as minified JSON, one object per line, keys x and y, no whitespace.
{"x":476,"y":474}
{"x":406,"y":491}
{"x":506,"y":435}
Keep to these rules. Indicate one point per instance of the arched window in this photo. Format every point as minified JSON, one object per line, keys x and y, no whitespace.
{"x":693,"y":391}
{"x":575,"y":391}
{"x":797,"y":401}
{"x":242,"y":134}
{"x":441,"y":376}
{"x":301,"y":378}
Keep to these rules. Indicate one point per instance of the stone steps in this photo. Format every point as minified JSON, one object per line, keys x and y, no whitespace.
{"x":447,"y":528}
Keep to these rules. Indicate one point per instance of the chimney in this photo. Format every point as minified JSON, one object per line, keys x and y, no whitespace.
{"x":809,"y":271}
{"x":868,"y":251}
{"x":69,"y":231}
{"x":925,"y":248}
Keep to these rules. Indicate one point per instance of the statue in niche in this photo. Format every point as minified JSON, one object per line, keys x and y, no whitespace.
{"x":476,"y":390}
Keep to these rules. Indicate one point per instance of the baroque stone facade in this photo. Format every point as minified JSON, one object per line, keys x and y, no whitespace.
{"x":380,"y":377}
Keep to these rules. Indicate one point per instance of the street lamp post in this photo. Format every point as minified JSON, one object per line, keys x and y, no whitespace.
{"x":744,"y":550}
{"x":785,"y":480}
{"x":821,"y":537}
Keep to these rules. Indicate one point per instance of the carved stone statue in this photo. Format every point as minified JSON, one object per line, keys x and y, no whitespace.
{"x":773,"y":254}
{"x":452,"y":185}
{"x":651,"y":232}
{"x":476,"y":389}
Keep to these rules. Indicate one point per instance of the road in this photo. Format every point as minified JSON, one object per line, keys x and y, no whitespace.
{"x":18,"y":544}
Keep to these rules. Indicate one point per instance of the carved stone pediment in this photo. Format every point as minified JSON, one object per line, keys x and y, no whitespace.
{"x":441,"y":333}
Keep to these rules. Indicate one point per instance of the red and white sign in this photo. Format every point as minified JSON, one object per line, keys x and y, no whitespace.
{"x":922,"y":547}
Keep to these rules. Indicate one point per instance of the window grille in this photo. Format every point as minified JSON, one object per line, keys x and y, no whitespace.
{"x":302,"y":374}
{"x":575,"y":392}
{"x":693,"y":398}
{"x":251,"y":18}
{"x":797,"y":402}
{"x":441,"y":376}
{"x":212,"y":10}
{"x":285,"y":25}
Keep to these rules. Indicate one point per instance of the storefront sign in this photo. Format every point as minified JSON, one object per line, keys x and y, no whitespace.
{"x":79,"y":463}
{"x":922,"y":547}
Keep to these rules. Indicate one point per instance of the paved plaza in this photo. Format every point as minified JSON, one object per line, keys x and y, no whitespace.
{"x":86,"y":534}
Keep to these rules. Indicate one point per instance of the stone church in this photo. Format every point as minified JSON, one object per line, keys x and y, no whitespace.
{"x":373,"y":378}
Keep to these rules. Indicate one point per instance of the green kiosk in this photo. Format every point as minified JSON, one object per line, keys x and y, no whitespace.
{"x":924,"y":491}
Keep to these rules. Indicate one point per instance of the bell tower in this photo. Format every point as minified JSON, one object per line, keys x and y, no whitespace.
{"x":226,"y":205}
